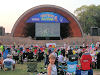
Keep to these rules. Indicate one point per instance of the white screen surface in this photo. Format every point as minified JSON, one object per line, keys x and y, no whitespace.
{"x":47,"y":30}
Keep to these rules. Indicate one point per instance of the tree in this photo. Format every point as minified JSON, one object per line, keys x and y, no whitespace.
{"x":88,"y":17}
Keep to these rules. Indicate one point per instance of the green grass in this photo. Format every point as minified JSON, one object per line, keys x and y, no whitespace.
{"x":21,"y":69}
{"x":40,"y":67}
{"x":96,"y":71}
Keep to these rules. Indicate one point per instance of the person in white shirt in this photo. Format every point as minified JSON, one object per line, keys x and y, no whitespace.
{"x":61,"y":58}
{"x":9,"y":58}
{"x":54,"y":52}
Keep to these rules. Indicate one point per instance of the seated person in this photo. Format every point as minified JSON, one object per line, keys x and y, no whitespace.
{"x":9,"y":62}
{"x":1,"y":61}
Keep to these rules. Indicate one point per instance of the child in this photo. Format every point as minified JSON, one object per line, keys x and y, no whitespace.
{"x":52,"y":70}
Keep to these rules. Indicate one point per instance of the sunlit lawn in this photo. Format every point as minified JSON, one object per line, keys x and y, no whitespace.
{"x":21,"y":69}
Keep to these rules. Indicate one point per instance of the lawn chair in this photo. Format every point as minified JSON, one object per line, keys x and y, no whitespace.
{"x":71,"y":65}
{"x":71,"y":68}
{"x":68,"y":69}
{"x":61,"y":67}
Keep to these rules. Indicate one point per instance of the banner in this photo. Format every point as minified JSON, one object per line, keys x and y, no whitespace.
{"x":47,"y":17}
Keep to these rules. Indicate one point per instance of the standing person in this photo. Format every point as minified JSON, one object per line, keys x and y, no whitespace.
{"x":61,"y":58}
{"x":63,"y":52}
{"x":50,"y":49}
{"x":84,"y":44}
{"x":56,"y":55}
{"x":52,"y":70}
{"x":65,"y":45}
{"x":47,"y":59}
{"x":42,"y":53}
{"x":16,"y":56}
{"x":55,"y":52}
{"x":93,"y":59}
{"x":39,"y":55}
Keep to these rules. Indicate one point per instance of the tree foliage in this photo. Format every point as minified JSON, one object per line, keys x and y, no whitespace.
{"x":88,"y":16}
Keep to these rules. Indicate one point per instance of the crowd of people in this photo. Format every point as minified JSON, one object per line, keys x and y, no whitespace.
{"x":53,"y":56}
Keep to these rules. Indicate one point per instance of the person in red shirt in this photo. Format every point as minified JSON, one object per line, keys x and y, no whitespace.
{"x":86,"y":61}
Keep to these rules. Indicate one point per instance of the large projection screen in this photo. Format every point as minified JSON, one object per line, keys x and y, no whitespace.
{"x":47,"y":30}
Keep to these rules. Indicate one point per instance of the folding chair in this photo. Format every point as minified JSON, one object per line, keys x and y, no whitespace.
{"x":71,"y":68}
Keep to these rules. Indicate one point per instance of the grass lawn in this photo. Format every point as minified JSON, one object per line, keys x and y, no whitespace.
{"x":96,"y":72}
{"x":21,"y":69}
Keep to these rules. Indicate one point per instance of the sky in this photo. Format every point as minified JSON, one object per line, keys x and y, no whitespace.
{"x":11,"y":10}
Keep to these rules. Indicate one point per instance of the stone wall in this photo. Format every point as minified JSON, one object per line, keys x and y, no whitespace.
{"x":8,"y":40}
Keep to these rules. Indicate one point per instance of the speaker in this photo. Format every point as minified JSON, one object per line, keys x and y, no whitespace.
{"x":2,"y":31}
{"x":99,"y":31}
{"x":94,"y":31}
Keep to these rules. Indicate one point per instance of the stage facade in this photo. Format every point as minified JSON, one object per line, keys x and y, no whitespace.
{"x":47,"y":22}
